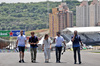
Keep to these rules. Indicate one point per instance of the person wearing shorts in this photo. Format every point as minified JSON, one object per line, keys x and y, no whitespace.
{"x":21,"y":41}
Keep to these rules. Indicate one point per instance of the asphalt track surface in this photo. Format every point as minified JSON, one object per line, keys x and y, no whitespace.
{"x":88,"y":59}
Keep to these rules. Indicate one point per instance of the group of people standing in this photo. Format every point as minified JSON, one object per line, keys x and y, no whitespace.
{"x":46,"y":46}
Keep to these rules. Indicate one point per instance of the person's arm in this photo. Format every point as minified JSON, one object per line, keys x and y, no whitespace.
{"x":54,"y":40}
{"x":50,"y":45}
{"x":25,"y":42}
{"x":43,"y":47}
{"x":64,"y":43}
{"x":37,"y":41}
{"x":64,"y":46}
{"x":80,"y":41}
{"x":73,"y":38}
{"x":16,"y":43}
{"x":30,"y":41}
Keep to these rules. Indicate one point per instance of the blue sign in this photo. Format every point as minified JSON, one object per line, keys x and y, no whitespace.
{"x":15,"y":33}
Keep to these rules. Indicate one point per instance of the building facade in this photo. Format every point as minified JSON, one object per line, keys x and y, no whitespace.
{"x":99,"y":13}
{"x":93,"y":12}
{"x":82,"y":14}
{"x":88,"y":15}
{"x":59,"y":19}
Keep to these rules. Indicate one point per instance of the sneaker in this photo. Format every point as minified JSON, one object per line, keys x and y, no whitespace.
{"x":46,"y":61}
{"x":75,"y":63}
{"x":79,"y":62}
{"x":34,"y":61}
{"x":22,"y":60}
{"x":57,"y":61}
{"x":19,"y":61}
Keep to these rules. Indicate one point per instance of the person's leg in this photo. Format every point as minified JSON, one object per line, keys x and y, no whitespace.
{"x":60,"y":49}
{"x":23,"y":49}
{"x":46,"y":55}
{"x":56,"y":54}
{"x":23,"y":57}
{"x":49,"y":53}
{"x":20,"y":52}
{"x":79,"y":57}
{"x":20,"y":55}
{"x":74,"y":49}
{"x":35,"y":52}
{"x":31,"y":54}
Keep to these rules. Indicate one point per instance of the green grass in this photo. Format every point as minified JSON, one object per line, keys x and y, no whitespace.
{"x":27,"y":33}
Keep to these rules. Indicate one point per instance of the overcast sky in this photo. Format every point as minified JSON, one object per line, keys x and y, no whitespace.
{"x":25,"y":1}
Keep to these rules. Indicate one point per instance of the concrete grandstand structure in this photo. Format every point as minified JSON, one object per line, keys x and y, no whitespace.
{"x":89,"y":35}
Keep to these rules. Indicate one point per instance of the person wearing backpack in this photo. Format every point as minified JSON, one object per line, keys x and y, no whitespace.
{"x":76,"y":46}
{"x":46,"y":48}
{"x":33,"y":41}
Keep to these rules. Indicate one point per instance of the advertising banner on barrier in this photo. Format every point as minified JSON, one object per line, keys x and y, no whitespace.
{"x":15,"y":33}
{"x":5,"y":33}
{"x":12,"y":33}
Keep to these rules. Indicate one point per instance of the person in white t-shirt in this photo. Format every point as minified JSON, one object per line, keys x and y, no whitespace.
{"x":21,"y":41}
{"x":58,"y":40}
{"x":46,"y":47}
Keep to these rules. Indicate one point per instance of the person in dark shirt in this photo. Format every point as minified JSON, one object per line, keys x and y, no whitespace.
{"x":76,"y":39}
{"x":33,"y":41}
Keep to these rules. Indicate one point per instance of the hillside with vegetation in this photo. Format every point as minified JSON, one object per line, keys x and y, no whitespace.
{"x":40,"y":32}
{"x":29,"y":16}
